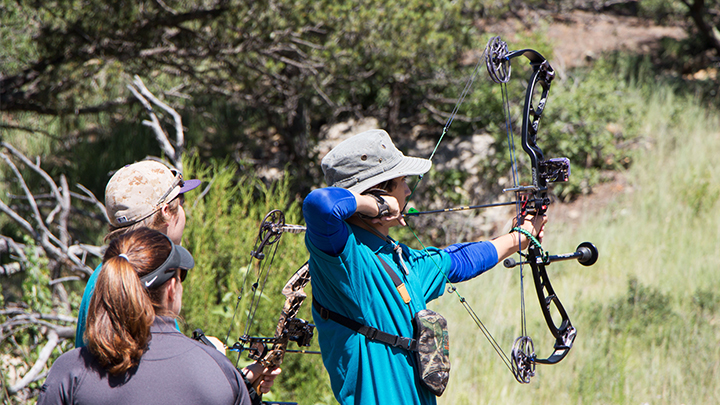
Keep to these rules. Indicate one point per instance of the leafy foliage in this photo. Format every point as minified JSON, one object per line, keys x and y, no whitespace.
{"x":283,"y":69}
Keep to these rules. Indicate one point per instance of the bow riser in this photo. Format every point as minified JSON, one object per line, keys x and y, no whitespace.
{"x":542,"y":76}
{"x":290,"y":328}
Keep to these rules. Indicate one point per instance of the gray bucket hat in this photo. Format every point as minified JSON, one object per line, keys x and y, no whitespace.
{"x":367,"y":159}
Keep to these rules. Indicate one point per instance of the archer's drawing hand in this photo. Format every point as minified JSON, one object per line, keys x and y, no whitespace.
{"x":394,"y":212}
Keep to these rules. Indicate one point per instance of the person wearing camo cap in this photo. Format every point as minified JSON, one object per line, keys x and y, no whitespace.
{"x":150,"y":194}
{"x":367,"y":287}
{"x":143,"y":194}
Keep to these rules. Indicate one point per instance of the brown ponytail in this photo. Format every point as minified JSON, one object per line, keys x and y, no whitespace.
{"x":121,"y":309}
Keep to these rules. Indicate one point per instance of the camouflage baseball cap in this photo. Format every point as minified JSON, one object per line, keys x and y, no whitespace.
{"x":367,"y":159}
{"x":138,"y":190}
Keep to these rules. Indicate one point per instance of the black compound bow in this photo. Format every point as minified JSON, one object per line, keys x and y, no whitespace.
{"x":531,"y":200}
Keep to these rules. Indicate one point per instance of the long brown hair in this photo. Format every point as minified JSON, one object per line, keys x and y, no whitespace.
{"x":121,"y":309}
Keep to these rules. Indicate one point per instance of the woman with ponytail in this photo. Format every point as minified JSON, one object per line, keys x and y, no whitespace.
{"x":150,"y":194}
{"x":134,"y":352}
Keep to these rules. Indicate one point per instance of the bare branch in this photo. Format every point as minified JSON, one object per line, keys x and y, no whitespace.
{"x":39,"y":364}
{"x":8,"y":244}
{"x":35,"y":167}
{"x":64,"y":203}
{"x":23,"y":314}
{"x":94,"y":200}
{"x":204,"y":193}
{"x":137,"y":87}
{"x":154,"y":123}
{"x":64,"y":279}
{"x":54,"y":247}
{"x":10,"y":268}
{"x":17,"y":218}
{"x":28,"y":194}
{"x":85,"y":249}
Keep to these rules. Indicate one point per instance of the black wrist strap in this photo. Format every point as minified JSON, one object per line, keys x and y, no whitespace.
{"x":382,"y":205}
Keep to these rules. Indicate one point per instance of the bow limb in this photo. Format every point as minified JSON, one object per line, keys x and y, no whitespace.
{"x":564,"y":333}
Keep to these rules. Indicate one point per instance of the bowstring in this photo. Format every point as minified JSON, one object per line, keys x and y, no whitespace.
{"x":518,"y":203}
{"x":255,"y":300}
{"x":451,"y":118}
{"x":478,"y":322}
{"x":506,"y":107}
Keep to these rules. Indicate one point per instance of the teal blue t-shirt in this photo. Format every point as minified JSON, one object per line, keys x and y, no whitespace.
{"x":84,"y":305}
{"x":355,"y":285}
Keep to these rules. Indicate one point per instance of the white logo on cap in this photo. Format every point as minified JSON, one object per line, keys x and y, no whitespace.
{"x":147,"y":283}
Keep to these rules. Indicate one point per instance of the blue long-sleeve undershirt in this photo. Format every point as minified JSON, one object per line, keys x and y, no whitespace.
{"x":326,"y":209}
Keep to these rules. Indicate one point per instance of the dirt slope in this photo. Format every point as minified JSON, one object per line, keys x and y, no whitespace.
{"x":580,"y":36}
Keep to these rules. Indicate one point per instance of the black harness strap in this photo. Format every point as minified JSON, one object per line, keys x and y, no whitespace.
{"x":368,"y":331}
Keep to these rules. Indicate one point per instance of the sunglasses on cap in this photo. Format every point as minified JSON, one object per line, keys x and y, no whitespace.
{"x":177,"y":181}
{"x":179,"y":258}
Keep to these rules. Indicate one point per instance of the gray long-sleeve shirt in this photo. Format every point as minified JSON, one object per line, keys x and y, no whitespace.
{"x":174,"y":370}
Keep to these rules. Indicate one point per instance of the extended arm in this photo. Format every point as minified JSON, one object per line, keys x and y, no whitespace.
{"x":469,"y":260}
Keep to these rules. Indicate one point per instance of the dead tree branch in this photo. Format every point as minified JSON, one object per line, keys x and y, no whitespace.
{"x":137,"y":87}
{"x":56,"y":247}
{"x":39,"y":364}
{"x":18,"y":319}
